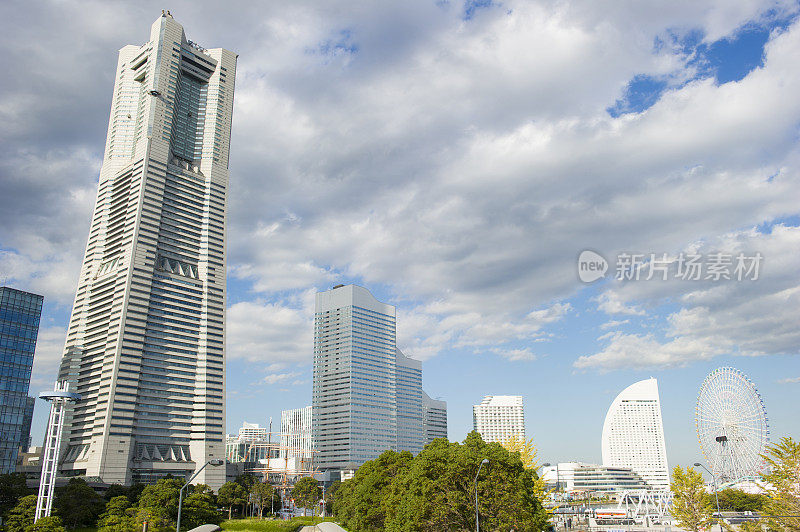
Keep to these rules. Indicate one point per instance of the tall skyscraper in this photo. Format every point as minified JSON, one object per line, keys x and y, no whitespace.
{"x":19,"y":327}
{"x":434,"y":423}
{"x":367,"y":395}
{"x":146,"y":341}
{"x":633,"y":434}
{"x":499,"y":417}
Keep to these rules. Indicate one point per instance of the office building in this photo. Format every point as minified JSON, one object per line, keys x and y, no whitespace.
{"x":296,"y":436}
{"x":19,"y":327}
{"x":578,"y":477}
{"x":633,"y":434}
{"x":146,"y":341}
{"x":367,"y":395}
{"x":499,"y":417}
{"x":253,"y":432}
{"x":434,"y":423}
{"x":410,"y":413}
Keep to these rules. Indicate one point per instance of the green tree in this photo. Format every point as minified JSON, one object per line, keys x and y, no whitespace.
{"x":118,"y":516}
{"x":20,"y":517}
{"x":199,"y":508}
{"x":156,"y":521}
{"x":783,"y":485}
{"x":528,"y":454}
{"x":306,"y":493}
{"x":438,"y":491}
{"x":261,"y":494}
{"x":690,"y":506}
{"x":47,"y":524}
{"x":135,"y":491}
{"x":525,"y":448}
{"x":77,"y":504}
{"x":359,"y":501}
{"x":738,"y":501}
{"x":12,"y":489}
{"x":330,"y":496}
{"x":231,"y":494}
{"x":159,"y":502}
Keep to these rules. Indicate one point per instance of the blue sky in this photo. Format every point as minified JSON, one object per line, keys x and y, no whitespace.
{"x":455,"y":159}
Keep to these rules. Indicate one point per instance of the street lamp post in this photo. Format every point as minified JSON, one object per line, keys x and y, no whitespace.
{"x":215,"y":462}
{"x":714,"y":478}
{"x":477,"y":522}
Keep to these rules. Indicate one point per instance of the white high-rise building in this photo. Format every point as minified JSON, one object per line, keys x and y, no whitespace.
{"x":367,"y":395}
{"x":146,"y":341}
{"x":499,"y":417}
{"x":296,"y":433}
{"x":633,"y":434}
{"x":253,"y":432}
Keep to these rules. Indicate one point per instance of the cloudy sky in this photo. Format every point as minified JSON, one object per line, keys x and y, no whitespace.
{"x":456,"y":159}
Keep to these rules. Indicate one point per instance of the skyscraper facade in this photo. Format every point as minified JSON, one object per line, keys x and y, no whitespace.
{"x":367,"y":395}
{"x":410,"y":413}
{"x":146,"y":341}
{"x":434,"y":422}
{"x":19,"y":327}
{"x":499,"y":417}
{"x":633,"y":434}
{"x":296,"y":436}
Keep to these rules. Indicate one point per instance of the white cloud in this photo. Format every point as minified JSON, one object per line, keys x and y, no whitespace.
{"x":613,"y":324}
{"x":273,"y":333}
{"x":461,"y":164}
{"x":47,"y":358}
{"x":747,"y":318}
{"x":790,"y":380}
{"x":274,"y":378}
{"x":515,"y":355}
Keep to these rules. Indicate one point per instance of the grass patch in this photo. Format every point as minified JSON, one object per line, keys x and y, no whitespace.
{"x":269,"y":525}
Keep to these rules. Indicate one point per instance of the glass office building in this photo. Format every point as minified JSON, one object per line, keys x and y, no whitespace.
{"x":367,"y":395}
{"x":19,"y":326}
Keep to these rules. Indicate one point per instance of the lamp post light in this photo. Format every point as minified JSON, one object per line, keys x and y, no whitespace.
{"x":477,"y":522}
{"x":215,"y":462}
{"x":714,"y":478}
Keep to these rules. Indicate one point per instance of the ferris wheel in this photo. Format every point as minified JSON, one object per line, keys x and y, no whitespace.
{"x":731,"y":424}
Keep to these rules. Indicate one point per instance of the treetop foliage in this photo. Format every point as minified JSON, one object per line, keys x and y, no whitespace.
{"x":436,"y":490}
{"x":783,"y":485}
{"x":690,"y":506}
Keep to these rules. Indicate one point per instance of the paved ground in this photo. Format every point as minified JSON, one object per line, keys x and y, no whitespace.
{"x":323,"y":527}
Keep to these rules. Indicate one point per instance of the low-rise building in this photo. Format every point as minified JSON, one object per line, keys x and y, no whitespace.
{"x":580,"y":477}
